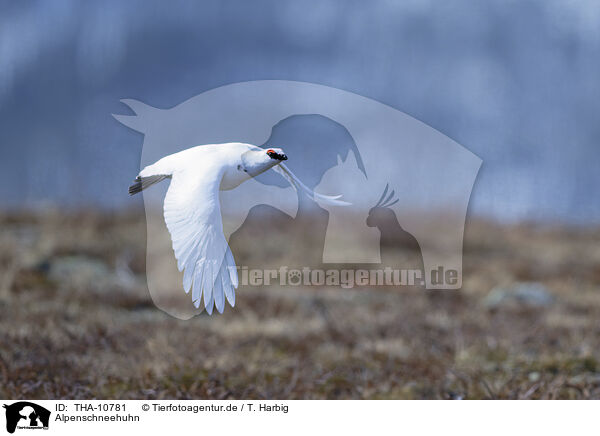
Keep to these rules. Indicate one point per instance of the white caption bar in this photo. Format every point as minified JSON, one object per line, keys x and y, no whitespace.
{"x":153,"y":417}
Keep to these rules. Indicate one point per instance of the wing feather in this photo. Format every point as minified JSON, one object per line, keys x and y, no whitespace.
{"x":193,"y":217}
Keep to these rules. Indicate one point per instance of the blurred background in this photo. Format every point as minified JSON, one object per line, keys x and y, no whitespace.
{"x":515,"y":82}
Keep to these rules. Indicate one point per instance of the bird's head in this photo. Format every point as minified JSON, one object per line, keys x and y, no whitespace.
{"x":257,"y":160}
{"x":276,"y":153}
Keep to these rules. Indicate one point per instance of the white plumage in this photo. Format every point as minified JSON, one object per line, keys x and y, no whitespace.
{"x":193,"y":215}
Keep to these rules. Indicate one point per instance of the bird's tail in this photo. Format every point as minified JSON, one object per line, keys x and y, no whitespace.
{"x":141,"y":183}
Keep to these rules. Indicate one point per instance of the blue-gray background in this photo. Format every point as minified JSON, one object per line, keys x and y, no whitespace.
{"x":516,"y":82}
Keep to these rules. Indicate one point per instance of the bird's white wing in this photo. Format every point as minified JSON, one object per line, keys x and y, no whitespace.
{"x":193,"y":217}
{"x":298,"y":185}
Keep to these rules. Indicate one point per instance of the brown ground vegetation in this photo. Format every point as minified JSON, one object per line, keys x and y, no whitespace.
{"x":77,"y":321}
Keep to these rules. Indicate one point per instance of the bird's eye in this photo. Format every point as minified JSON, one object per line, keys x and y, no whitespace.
{"x":270,"y":150}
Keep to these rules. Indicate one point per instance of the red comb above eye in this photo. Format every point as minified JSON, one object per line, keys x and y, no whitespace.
{"x":270,"y":150}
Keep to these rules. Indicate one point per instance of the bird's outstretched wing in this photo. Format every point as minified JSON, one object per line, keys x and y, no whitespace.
{"x":193,"y":216}
{"x":298,"y":185}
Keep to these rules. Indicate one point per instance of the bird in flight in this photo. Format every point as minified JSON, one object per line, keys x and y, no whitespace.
{"x":193,"y":215}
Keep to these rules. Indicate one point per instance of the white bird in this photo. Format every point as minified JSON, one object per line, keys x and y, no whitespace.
{"x":193,"y":215}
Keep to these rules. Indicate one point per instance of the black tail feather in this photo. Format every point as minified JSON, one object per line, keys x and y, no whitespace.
{"x":136,"y":187}
{"x":142,"y":183}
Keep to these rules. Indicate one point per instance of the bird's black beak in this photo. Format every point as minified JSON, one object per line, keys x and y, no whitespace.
{"x":277,"y":156}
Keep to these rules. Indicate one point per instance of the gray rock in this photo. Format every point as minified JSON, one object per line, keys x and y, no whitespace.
{"x":85,"y":272}
{"x":525,"y":294}
{"x":77,"y":270}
